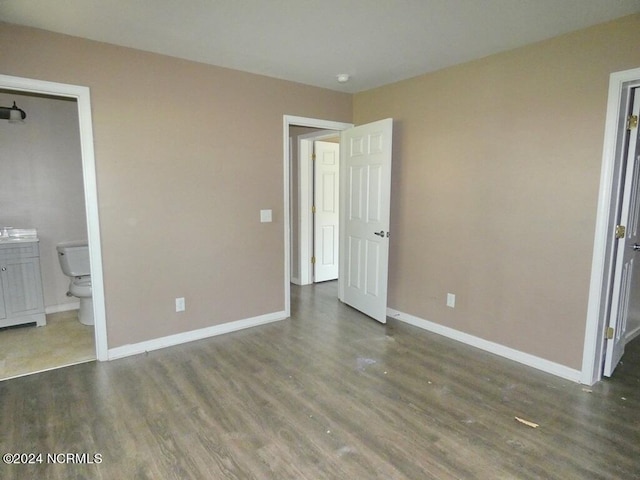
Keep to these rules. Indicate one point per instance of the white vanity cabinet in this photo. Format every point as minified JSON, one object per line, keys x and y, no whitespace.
{"x":21,"y":298}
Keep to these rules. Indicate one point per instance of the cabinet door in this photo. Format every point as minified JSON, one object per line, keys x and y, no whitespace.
{"x":3,"y":312}
{"x":22,"y":286}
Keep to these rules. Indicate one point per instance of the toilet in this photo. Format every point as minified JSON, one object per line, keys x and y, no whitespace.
{"x":74,"y":261}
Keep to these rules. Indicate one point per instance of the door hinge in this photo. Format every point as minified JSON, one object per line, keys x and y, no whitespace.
{"x":632,"y":122}
{"x":313,"y":156}
{"x":621,"y":231}
{"x":313,"y":209}
{"x":313,"y":260}
{"x":610,"y":333}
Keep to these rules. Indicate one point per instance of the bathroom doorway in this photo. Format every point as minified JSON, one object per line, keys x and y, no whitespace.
{"x":53,"y":165}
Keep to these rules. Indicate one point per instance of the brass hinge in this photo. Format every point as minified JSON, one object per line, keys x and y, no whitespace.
{"x":621,"y":230}
{"x":313,"y":155}
{"x":313,"y":209}
{"x":313,"y":260}
{"x":632,"y":122}
{"x":610,"y":333}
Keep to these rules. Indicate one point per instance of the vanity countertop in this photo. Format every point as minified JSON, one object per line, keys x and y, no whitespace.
{"x":18,"y":235}
{"x":4,"y":240}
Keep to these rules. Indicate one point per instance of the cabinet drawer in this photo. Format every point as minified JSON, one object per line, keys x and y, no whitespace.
{"x":18,"y":250}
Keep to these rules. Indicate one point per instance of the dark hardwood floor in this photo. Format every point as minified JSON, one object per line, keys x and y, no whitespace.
{"x":327,"y":394}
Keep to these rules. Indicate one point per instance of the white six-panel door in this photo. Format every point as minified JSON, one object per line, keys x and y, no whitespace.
{"x":326,"y":217}
{"x":627,"y":247}
{"x":365,"y":208}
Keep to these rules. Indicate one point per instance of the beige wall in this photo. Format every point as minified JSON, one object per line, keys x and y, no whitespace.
{"x":496,"y":177}
{"x":496,"y":174}
{"x":41,"y":172}
{"x":186,"y":156}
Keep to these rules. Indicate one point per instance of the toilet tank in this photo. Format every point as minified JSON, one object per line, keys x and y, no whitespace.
{"x":74,"y":258}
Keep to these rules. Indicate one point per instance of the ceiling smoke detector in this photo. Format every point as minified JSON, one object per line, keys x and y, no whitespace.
{"x":343,"y":77}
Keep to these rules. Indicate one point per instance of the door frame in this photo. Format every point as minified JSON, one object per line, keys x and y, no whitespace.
{"x":305,"y":201}
{"x":288,"y":121}
{"x":602,"y":266}
{"x":83,"y":99}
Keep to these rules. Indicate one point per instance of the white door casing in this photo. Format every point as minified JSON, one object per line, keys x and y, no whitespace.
{"x":365,"y":198}
{"x":626,"y":249}
{"x":326,"y":214}
{"x":287,"y":122}
{"x":83,"y":97}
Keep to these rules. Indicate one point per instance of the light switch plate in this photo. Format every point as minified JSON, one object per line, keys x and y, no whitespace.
{"x":451,"y":300}
{"x":180,"y":304}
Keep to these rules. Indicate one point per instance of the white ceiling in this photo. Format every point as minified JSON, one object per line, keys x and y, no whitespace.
{"x":311,"y":41}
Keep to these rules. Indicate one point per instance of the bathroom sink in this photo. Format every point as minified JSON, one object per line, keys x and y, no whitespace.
{"x":10,"y":234}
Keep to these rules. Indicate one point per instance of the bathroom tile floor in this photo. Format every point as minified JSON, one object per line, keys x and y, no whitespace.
{"x":29,"y":349}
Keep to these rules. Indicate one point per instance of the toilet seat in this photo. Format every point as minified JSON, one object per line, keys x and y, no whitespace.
{"x":80,"y":287}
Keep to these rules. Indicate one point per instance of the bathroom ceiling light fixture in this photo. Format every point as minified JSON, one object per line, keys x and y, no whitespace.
{"x":13,"y":114}
{"x":343,"y":77}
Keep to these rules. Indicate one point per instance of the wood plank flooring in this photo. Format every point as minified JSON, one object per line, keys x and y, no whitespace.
{"x":327,"y":394}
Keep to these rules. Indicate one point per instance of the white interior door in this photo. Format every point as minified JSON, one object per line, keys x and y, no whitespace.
{"x":626,"y":249}
{"x":364,"y":221}
{"x":326,"y":215}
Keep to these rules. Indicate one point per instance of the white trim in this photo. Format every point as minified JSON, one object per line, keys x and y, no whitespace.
{"x":287,"y":121}
{"x":65,"y":307}
{"x":491,"y":347}
{"x":305,"y":202}
{"x":83,"y":97}
{"x":602,"y":261}
{"x":193,"y":335}
{"x":632,"y":334}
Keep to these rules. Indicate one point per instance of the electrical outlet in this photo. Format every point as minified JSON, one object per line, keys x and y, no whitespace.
{"x":451,"y":300}
{"x":180,"y":305}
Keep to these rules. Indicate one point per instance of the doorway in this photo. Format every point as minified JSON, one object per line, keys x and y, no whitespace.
{"x":365,"y":185}
{"x":81,"y":96}
{"x":297,"y":207}
{"x":304,"y":211}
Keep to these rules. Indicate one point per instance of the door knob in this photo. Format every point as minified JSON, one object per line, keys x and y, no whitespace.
{"x":636,"y":247}
{"x":381,"y":234}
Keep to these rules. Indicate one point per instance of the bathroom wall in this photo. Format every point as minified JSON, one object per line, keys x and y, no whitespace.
{"x":41,"y":172}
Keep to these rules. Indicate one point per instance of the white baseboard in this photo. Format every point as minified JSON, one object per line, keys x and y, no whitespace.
{"x":631,"y":335}
{"x":491,"y":347}
{"x":295,"y":280}
{"x":65,"y":307}
{"x":171,"y":340}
